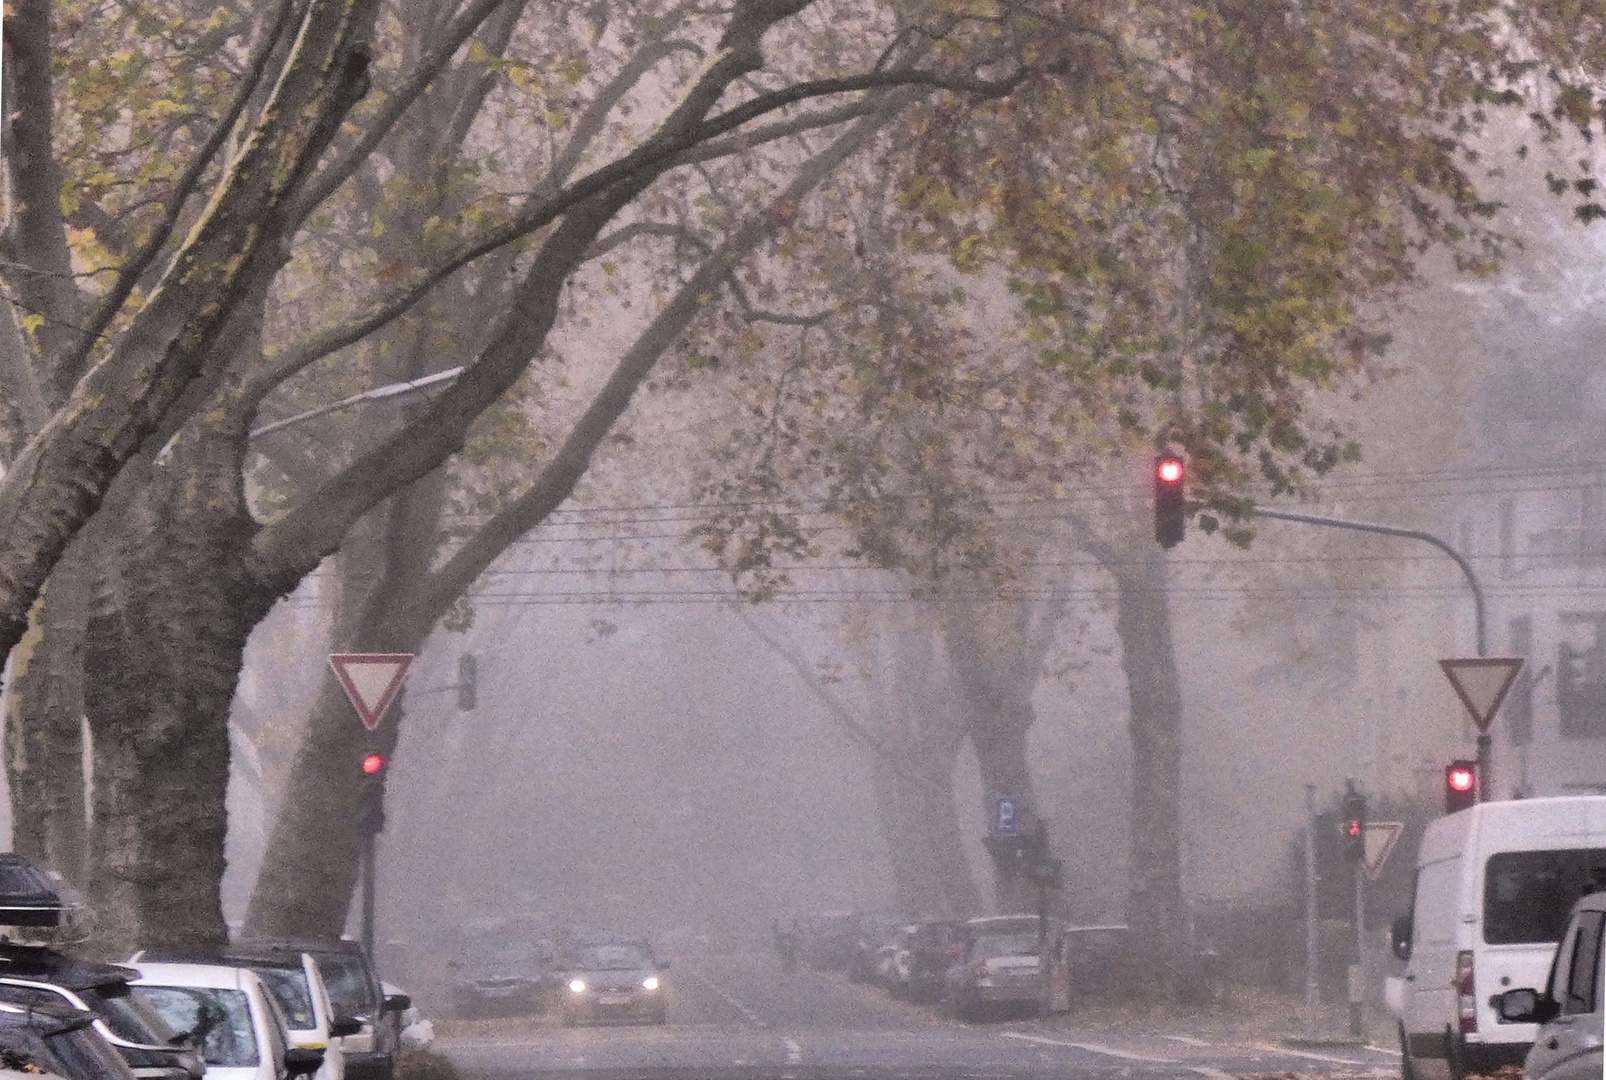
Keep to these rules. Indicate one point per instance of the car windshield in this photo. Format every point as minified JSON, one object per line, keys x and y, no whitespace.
{"x":219,"y":1019}
{"x":612,"y":956}
{"x":346,"y":979}
{"x":128,"y":1015}
{"x":990,"y":946}
{"x":511,"y":955}
{"x":1528,"y":895}
{"x":290,"y":989}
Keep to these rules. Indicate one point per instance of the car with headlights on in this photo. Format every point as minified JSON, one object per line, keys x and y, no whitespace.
{"x":616,"y":979}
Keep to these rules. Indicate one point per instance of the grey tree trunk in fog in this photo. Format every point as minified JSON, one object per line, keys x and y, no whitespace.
{"x":44,"y":723}
{"x":997,"y":651}
{"x":1143,"y":624}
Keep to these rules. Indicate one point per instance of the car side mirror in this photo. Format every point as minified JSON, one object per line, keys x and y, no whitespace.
{"x":398,"y":1003}
{"x":1518,"y":1006}
{"x":341,"y":1026}
{"x":1400,"y":937}
{"x":302,"y":1060}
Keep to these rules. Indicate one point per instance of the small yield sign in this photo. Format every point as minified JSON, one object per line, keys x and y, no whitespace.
{"x":371,"y":681}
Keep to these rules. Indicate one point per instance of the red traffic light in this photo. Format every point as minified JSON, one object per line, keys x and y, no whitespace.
{"x":1168,"y":470}
{"x":1460,"y":785}
{"x":1461,"y":779}
{"x":373,"y":763}
{"x":1354,"y":827}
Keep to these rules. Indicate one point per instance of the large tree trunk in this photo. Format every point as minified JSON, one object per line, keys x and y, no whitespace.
{"x":1143,"y":623}
{"x":163,"y":653}
{"x":44,"y":723}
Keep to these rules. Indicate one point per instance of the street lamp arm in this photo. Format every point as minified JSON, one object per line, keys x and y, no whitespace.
{"x":1409,"y":534}
{"x":411,"y":386}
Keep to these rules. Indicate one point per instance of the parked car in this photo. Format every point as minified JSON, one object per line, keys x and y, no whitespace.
{"x":1568,"y":1008}
{"x":59,"y":1041}
{"x":825,"y":938}
{"x":355,"y":991}
{"x":1494,"y":886}
{"x":234,"y":1020}
{"x":1001,"y":968}
{"x":612,"y":979}
{"x":297,"y":986}
{"x":1098,"y":962}
{"x":499,"y":976}
{"x":875,"y":932}
{"x":39,"y":976}
{"x":926,"y":951}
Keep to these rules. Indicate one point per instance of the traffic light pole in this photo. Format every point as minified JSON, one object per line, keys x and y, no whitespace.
{"x":1484,"y":740}
{"x":370,"y":860}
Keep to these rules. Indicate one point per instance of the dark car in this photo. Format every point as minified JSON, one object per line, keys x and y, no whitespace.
{"x":926,"y":951}
{"x":616,"y":979}
{"x":355,"y":992}
{"x":39,"y":976}
{"x":57,"y":1040}
{"x":500,"y":976}
{"x":826,"y":938}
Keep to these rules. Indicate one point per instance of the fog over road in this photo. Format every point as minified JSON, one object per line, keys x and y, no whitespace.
{"x":737,"y":1017}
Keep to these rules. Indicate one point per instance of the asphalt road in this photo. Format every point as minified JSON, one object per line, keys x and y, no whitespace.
{"x":737,"y":1017}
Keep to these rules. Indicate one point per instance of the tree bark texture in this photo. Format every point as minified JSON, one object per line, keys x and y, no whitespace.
{"x":162,"y":657}
{"x":44,"y":723}
{"x":1143,"y":624}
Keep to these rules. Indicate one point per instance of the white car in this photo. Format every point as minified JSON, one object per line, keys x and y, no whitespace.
{"x":234,"y":1020}
{"x":292,"y":978}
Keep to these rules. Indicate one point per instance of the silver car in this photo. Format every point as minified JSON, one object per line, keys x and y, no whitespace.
{"x":1569,"y":1008}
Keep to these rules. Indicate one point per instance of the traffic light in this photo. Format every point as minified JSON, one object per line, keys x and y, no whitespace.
{"x":372,"y":809}
{"x":468,"y":678}
{"x":1352,"y":827}
{"x":1460,"y":785}
{"x":1169,"y":517}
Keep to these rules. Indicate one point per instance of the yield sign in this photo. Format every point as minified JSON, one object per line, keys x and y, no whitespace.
{"x":371,"y":681}
{"x":1379,"y":839}
{"x":1481,"y":683}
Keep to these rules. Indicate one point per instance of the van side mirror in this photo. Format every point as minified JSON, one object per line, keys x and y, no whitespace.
{"x":1525,"y":1006}
{"x":397,"y":1003}
{"x":341,"y":1026}
{"x":1400,"y":937}
{"x":302,"y":1060}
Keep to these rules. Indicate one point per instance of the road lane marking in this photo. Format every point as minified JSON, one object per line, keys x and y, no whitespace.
{"x":1094,"y":1048}
{"x":1210,"y":1074}
{"x":794,"y":1052}
{"x":1269,"y":1049}
{"x":1384,"y":1050}
{"x":1186,"y":1040}
{"x":748,"y":1014}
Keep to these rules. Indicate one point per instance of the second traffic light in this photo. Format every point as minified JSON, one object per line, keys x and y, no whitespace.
{"x":1460,"y":785}
{"x":1352,"y":827}
{"x":1170,"y":517}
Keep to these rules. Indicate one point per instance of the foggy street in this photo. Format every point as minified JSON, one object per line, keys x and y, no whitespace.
{"x":735,"y":1016}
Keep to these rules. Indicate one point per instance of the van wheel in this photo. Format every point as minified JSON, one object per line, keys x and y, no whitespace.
{"x":1407,"y":1070}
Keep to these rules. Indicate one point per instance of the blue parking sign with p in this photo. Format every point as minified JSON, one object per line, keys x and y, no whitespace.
{"x":1006,"y":816}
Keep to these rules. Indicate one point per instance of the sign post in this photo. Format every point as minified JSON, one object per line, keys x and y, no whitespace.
{"x":1482,"y":682}
{"x":372,"y":682}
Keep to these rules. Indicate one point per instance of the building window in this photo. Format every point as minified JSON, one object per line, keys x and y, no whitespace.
{"x":1519,"y":706}
{"x":1581,"y":676}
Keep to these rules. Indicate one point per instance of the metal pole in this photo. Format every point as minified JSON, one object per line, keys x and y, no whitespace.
{"x":370,"y":859}
{"x":1485,"y":764}
{"x":1312,"y":985}
{"x":1409,"y":534}
{"x":1357,"y":990}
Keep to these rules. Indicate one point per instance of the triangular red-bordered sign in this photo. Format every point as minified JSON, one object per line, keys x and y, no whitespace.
{"x":1379,"y":839}
{"x":371,"y":681}
{"x":1482,"y":682}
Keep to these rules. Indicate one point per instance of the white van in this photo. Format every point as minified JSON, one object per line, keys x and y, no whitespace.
{"x":1494,"y":887}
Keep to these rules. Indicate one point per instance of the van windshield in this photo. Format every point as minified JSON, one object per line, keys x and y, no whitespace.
{"x":1527,"y":895}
